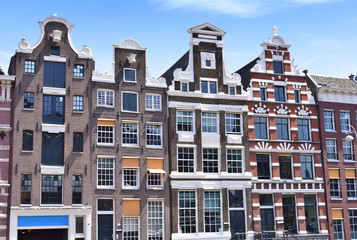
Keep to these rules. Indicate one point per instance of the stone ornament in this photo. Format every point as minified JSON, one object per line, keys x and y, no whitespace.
{"x":306,"y":147}
{"x":303,"y":111}
{"x":131,"y":44}
{"x":285,"y":146}
{"x":260,"y":109}
{"x":282,"y":110}
{"x":210,"y":57}
{"x":56,"y":36}
{"x":263,"y":145}
{"x":154,"y":82}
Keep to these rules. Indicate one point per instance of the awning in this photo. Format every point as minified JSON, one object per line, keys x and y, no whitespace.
{"x":130,"y":162}
{"x":156,"y":171}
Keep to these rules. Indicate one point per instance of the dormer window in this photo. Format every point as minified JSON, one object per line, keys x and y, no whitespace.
{"x":209,"y":87}
{"x":297,"y":96}
{"x":232,"y":91}
{"x":278,"y":67}
{"x":184,"y":87}
{"x":55,"y":51}
{"x":279,"y":92}
{"x":208,"y":60}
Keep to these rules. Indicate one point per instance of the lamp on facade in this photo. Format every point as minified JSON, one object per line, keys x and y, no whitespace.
{"x":349,"y":137}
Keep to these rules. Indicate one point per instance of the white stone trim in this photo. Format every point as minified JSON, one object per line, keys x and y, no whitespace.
{"x":5,"y":109}
{"x":52,"y":169}
{"x":53,"y":128}
{"x":55,"y":59}
{"x":54,"y":91}
{"x":208,"y":107}
{"x":201,"y":236}
{"x":205,"y":184}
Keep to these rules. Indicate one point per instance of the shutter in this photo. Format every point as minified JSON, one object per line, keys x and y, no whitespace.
{"x":337,"y":214}
{"x":177,"y":85}
{"x":105,"y":122}
{"x":130,"y":162}
{"x":155,"y":163}
{"x":350,"y":173}
{"x":191,"y":86}
{"x":333,"y":173}
{"x":131,"y":208}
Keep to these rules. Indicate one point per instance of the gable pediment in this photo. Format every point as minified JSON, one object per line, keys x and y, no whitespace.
{"x":207,"y":28}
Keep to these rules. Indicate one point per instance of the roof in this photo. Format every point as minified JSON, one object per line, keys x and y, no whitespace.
{"x":181,"y":63}
{"x":334,"y":82}
{"x":244,"y":72}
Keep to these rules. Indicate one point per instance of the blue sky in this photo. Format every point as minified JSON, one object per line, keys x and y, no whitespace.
{"x":322,"y":33}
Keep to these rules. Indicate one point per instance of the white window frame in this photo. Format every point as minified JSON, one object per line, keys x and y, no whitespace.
{"x":349,"y":121}
{"x":208,"y":80}
{"x":153,"y":102}
{"x":355,"y":188}
{"x":181,"y":88}
{"x":106,"y":144}
{"x":193,"y":120}
{"x":240,"y":127}
{"x":114,"y":175}
{"x":338,"y":188}
{"x":105,"y":98}
{"x":242,"y":161}
{"x":80,"y":235}
{"x":221,"y":210}
{"x":350,"y":147}
{"x":194,"y":157}
{"x":342,"y":228}
{"x":155,"y":187}
{"x":312,"y":164}
{"x":218,"y":160}
{"x":130,"y":218}
{"x":350,"y":219}
{"x":267,"y":130}
{"x":156,"y":218}
{"x":289,"y":129}
{"x":265,"y":93}
{"x":161,"y":135}
{"x":137,"y":179}
{"x":211,"y":118}
{"x":333,"y":120}
{"x":137,"y":134}
{"x":309,"y":132}
{"x":291,"y":166}
{"x":33,"y":62}
{"x":125,"y":78}
{"x":336,"y":150}
{"x":178,"y":210}
{"x":137,"y":102}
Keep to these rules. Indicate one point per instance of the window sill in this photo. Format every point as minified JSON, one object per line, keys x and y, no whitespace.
{"x":155,"y":188}
{"x":126,"y":111}
{"x":77,"y":205}
{"x":29,"y":73}
{"x":352,"y":199}
{"x":77,"y":112}
{"x":106,"y":106}
{"x":25,"y":205}
{"x":105,"y":145}
{"x":131,"y":188}
{"x":77,"y":153}
{"x":154,"y":147}
{"x":331,"y":131}
{"x":106,"y":188}
{"x":349,"y":161}
{"x":333,"y":160}
{"x":24,"y":151}
{"x":129,"y":145}
{"x":28,"y":109}
{"x":153,"y":110}
{"x":78,"y":78}
{"x":130,"y":81}
{"x":336,"y":199}
{"x":51,"y":205}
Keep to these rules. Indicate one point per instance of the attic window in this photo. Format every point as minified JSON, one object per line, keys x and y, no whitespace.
{"x":208,"y":60}
{"x":55,"y":51}
{"x":278,"y":67}
{"x":208,"y":63}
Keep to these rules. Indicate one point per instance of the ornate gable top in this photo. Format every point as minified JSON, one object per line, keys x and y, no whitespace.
{"x":130,"y":44}
{"x":275,"y":40}
{"x":207,"y":29}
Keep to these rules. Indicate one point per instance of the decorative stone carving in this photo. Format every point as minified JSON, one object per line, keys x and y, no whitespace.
{"x":131,"y":44}
{"x":132,"y":58}
{"x":303,"y":111}
{"x":260,"y":109}
{"x":260,"y":66}
{"x":154,"y":82}
{"x":56,"y":35}
{"x":306,"y":147}
{"x":180,"y":75}
{"x":263,"y":145}
{"x":103,"y":77}
{"x":233,"y":138}
{"x":285,"y":146}
{"x":205,"y":56}
{"x":86,"y":50}
{"x":310,"y":97}
{"x":294,"y":67}
{"x":24,"y":44}
{"x":186,"y":136}
{"x":281,"y":110}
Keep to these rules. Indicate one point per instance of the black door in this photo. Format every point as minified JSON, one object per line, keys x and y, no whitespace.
{"x":237,"y":221}
{"x":105,"y":227}
{"x":289,"y":213}
{"x":267,"y":221}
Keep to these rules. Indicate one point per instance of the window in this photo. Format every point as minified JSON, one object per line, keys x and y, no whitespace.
{"x":297,"y":96}
{"x":351,"y":183}
{"x":51,"y":189}
{"x":155,"y":180}
{"x":263,"y":165}
{"x":209,"y":122}
{"x":52,"y":149}
{"x":306,"y":167}
{"x":154,"y":135}
{"x":212,"y":211}
{"x":329,"y":120}
{"x":267,"y":212}
{"x":331,"y":149}
{"x":187,"y":212}
{"x":53,"y":109}
{"x":131,"y":228}
{"x":210,"y":160}
{"x":105,"y":132}
{"x":209,"y":87}
{"x":353,"y":223}
{"x":303,"y":130}
{"x":78,"y":70}
{"x":77,"y":142}
{"x":289,"y":213}
{"x":278,"y":67}
{"x":105,"y":98}
{"x":29,"y":66}
{"x":234,"y":161}
{"x":153,"y":102}
{"x":79,"y":225}
{"x":184,"y":121}
{"x":208,"y":63}
{"x":260,"y":128}
{"x":55,"y":51}
{"x":335,"y":183}
{"x":28,"y":100}
{"x":130,"y":178}
{"x":27,"y":140}
{"x":236,"y":211}
{"x":186,"y":159}
{"x":282,"y":128}
{"x":130,"y":134}
{"x":78,"y":103}
{"x":285,"y":167}
{"x":312,"y":225}
{"x":54,"y":74}
{"x":105,"y":168}
{"x":232,"y":91}
{"x":233,"y":123}
{"x":347,"y":151}
{"x":77,"y":189}
{"x":263,"y":94}
{"x":279,"y":93}
{"x":26,"y":182}
{"x":338,"y":231}
{"x":345,"y":121}
{"x":130,"y":102}
{"x":155,"y":220}
{"x":129,"y":75}
{"x":184,"y":87}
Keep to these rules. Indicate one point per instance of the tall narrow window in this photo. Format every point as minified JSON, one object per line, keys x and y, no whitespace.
{"x":303,"y":130}
{"x":232,"y":91}
{"x":306,"y":167}
{"x":27,"y":140}
{"x":347,"y":150}
{"x":30,"y":66}
{"x":289,"y":213}
{"x":130,"y":134}
{"x":77,"y":189}
{"x":26,"y":183}
{"x":329,"y":120}
{"x":209,"y":122}
{"x":77,"y":142}
{"x":212,"y":211}
{"x":236,"y":211}
{"x":263,"y":94}
{"x":131,"y":228}
{"x":51,"y":189}
{"x":279,"y":93}
{"x":184,"y":121}
{"x":335,"y":183}
{"x":54,"y":74}
{"x":353,"y":223}
{"x":78,"y":103}
{"x":234,"y":161}
{"x":267,"y":214}
{"x":297,"y":96}
{"x":184,"y":87}
{"x":282,"y":128}
{"x":187,"y":212}
{"x":337,"y":222}
{"x":351,"y":183}
{"x":311,"y":214}
{"x":285,"y":167}
{"x":105,"y":167}
{"x":260,"y":127}
{"x":154,"y":135}
{"x":105,"y":98}
{"x":52,"y":149}
{"x":345,"y":121}
{"x":53,"y":109}
{"x":28,"y":100}
{"x":78,"y":70}
{"x":130,"y":178}
{"x":155,"y":220}
{"x":105,"y":132}
{"x":186,"y":159}
{"x":233,"y":123}
{"x":263,"y":165}
{"x":210,"y":160}
{"x":79,"y":226}
{"x":331,"y":149}
{"x":278,"y":67}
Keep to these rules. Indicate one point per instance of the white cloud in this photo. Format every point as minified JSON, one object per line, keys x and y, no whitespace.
{"x":240,"y":8}
{"x":5,"y":54}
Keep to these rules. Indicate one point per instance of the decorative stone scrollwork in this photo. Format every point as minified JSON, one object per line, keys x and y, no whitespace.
{"x":24,"y":44}
{"x":263,"y":145}
{"x":154,"y":82}
{"x":294,"y":67}
{"x":306,"y":147}
{"x":205,"y":56}
{"x":260,"y":109}
{"x":260,"y":66}
{"x":282,"y":110}
{"x":131,"y":44}
{"x":285,"y":146}
{"x":56,"y":35}
{"x":303,"y":111}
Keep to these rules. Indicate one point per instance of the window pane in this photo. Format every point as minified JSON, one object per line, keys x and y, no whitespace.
{"x":130,"y":102}
{"x":213,"y":87}
{"x":105,"y":205}
{"x":262,"y":94}
{"x":263,"y":165}
{"x":311,"y":214}
{"x":204,"y":86}
{"x":51,"y":189}
{"x":130,"y":178}
{"x":233,"y":123}
{"x":78,"y":70}
{"x":187,"y":212}
{"x":306,"y":167}
{"x":329,"y":120}
{"x":184,"y":121}
{"x":282,"y":128}
{"x":28,"y":100}
{"x":27,"y":140}
{"x":129,"y":75}
{"x":285,"y":167}
{"x":353,"y":223}
{"x":303,"y":130}
{"x":155,"y":220}
{"x":130,"y":134}
{"x":345,"y":121}
{"x":105,"y":168}
{"x":52,"y":149}
{"x":235,"y":198}
{"x":29,"y":66}
{"x":234,"y":161}
{"x":278,"y":67}
{"x":79,"y":224}
{"x":212,"y":211}
{"x":209,"y":122}
{"x":260,"y":127}
{"x":266,"y":199}
{"x":54,"y":74}
{"x":279,"y":93}
{"x":26,"y":183}
{"x":77,"y":142}
{"x":210,"y":160}
{"x":297,"y":96}
{"x":185,"y":159}
{"x":154,"y":135}
{"x":78,"y":103}
{"x":77,"y":189}
{"x":55,"y":51}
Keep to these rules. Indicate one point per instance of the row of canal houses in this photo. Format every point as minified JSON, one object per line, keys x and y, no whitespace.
{"x":198,"y":153}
